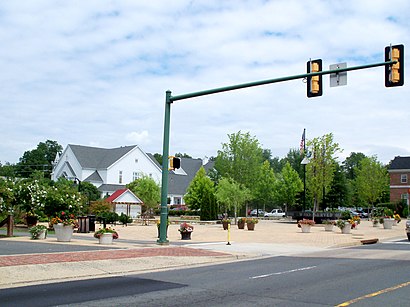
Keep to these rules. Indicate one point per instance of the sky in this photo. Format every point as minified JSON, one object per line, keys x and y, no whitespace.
{"x":95,"y":73}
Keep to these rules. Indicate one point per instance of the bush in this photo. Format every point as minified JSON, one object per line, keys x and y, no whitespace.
{"x":125,"y":219}
{"x":110,"y":217}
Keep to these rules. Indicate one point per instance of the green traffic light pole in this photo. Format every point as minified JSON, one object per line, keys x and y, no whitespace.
{"x":169,"y":99}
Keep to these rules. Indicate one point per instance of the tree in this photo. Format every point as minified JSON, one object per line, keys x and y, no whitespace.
{"x":288,"y":186}
{"x":148,"y":191}
{"x":294,"y":157}
{"x":351,"y":164}
{"x":240,"y":159}
{"x":321,"y":167}
{"x":40,"y":158}
{"x":372,"y":180}
{"x":265,"y":186}
{"x":201,"y":196}
{"x":338,"y":196}
{"x":232,"y":195}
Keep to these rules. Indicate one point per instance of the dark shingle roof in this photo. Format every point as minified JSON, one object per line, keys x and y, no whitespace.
{"x":102,"y":158}
{"x":178,"y":184}
{"x":400,"y":163}
{"x":94,"y":177}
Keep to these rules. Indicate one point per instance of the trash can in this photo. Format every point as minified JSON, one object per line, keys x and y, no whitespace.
{"x":83,"y":224}
{"x":91,"y":223}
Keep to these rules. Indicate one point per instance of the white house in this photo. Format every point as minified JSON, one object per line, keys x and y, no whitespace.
{"x":124,"y":201}
{"x":108,"y":169}
{"x":111,"y":169}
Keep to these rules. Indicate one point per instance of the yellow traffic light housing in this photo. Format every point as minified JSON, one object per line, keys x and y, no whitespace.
{"x":174,"y":163}
{"x":394,"y":73}
{"x":314,"y":83}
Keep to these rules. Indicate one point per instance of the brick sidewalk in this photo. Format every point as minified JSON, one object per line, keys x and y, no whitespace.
{"x":16,"y":260}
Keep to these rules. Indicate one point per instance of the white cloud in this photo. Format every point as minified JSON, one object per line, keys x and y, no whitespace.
{"x":90,"y":72}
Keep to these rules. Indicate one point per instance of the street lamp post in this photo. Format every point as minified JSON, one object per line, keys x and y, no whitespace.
{"x":304,"y":162}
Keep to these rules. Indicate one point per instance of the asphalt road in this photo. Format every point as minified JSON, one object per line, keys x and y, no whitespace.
{"x":376,"y":275}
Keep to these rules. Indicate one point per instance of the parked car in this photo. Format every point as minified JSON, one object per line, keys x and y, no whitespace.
{"x":260,"y":212}
{"x":408,"y":229}
{"x":275,"y":213}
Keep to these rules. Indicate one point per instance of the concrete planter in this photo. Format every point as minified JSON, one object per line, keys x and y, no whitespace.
{"x":388,"y":223}
{"x":63,"y":233}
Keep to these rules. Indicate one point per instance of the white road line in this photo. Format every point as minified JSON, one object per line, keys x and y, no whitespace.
{"x":284,"y":272}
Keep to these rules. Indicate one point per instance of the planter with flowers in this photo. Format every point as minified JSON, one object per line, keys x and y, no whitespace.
{"x":225,"y":223}
{"x":241,"y":223}
{"x":345,"y":226}
{"x":375,"y":222}
{"x":387,"y":220}
{"x":106,"y":235}
{"x":64,"y":225}
{"x":329,"y":225}
{"x":305,"y":225}
{"x":185,"y":229}
{"x":38,"y":232}
{"x":250,"y":223}
{"x":355,"y":222}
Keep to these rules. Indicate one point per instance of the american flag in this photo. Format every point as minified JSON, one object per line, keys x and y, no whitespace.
{"x":302,"y":142}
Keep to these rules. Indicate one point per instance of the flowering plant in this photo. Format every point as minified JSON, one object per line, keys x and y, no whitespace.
{"x":252,"y":220}
{"x":101,"y":231}
{"x":159,"y":222}
{"x":36,"y":230}
{"x":306,"y":222}
{"x":242,"y":220}
{"x":65,"y":219}
{"x":397,"y":217}
{"x":341,"y":223}
{"x":356,"y":219}
{"x":328,"y":222}
{"x":185,"y":227}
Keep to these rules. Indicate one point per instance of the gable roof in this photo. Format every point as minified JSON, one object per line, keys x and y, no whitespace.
{"x":94,"y":177}
{"x":116,"y":196}
{"x":99,"y":158}
{"x":178,"y":183}
{"x":400,"y":163}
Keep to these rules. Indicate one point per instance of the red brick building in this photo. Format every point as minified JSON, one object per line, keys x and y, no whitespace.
{"x":399,"y":172}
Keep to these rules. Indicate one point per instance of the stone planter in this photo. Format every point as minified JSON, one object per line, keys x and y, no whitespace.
{"x":225,"y":225}
{"x":305,"y":228}
{"x":186,"y":235}
{"x":388,"y":223}
{"x":105,"y":238}
{"x":329,"y":227}
{"x":42,"y":235}
{"x":31,"y":220}
{"x":63,"y":233}
{"x":347,"y":228}
{"x":241,"y":225}
{"x":250,"y":226}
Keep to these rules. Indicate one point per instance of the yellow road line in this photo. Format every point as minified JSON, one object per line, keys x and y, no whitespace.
{"x":405,"y":284}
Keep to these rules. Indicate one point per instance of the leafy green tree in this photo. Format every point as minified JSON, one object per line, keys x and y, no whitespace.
{"x":338,"y":196}
{"x":372,"y":180}
{"x":147,"y":190}
{"x":294,"y":157}
{"x":288,"y":186}
{"x":265,"y":186}
{"x":351,"y":164}
{"x":40,"y":158}
{"x":62,"y":196}
{"x":321,"y":167}
{"x":8,"y":170}
{"x":201,"y":196}
{"x":240,"y":159}
{"x":232,"y":195}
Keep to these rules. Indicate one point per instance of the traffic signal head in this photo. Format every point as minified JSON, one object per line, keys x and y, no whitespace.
{"x":174,"y":163}
{"x":394,"y":73}
{"x":314,"y":83}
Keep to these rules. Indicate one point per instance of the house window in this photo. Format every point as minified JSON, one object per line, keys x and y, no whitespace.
{"x":404,"y":196}
{"x":403,"y":178}
{"x":135,"y":176}
{"x":177,"y":200}
{"x":136,"y":160}
{"x":120,"y":176}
